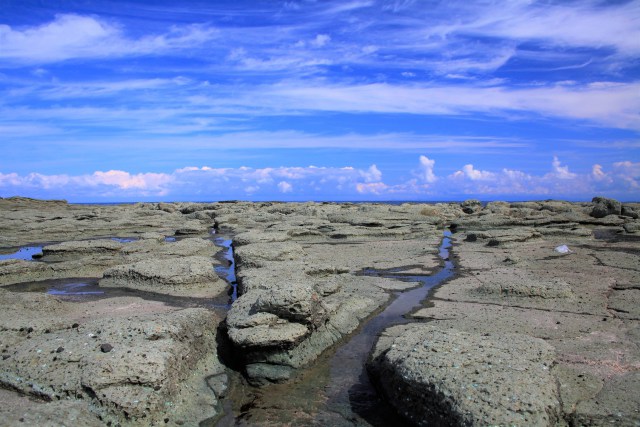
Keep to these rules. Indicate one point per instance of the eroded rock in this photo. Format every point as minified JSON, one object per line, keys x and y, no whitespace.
{"x":450,"y":377}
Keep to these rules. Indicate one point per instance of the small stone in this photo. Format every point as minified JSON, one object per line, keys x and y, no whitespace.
{"x":106,"y":348}
{"x":59,"y":349}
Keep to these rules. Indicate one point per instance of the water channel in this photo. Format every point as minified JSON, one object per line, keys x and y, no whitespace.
{"x":336,"y":389}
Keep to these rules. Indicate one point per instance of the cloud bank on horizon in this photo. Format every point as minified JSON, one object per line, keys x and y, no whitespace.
{"x":389,"y":99}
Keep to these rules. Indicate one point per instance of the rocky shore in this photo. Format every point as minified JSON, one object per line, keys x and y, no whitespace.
{"x":540,"y":325}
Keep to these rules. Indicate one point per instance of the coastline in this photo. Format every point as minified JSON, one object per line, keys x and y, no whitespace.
{"x":300,"y":295}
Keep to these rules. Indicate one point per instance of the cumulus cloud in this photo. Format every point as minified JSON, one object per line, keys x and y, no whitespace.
{"x":125,"y":180}
{"x":285,"y":187}
{"x":324,"y":183}
{"x":623,"y":180}
{"x":376,"y":188}
{"x":426,"y":170}
{"x":193,"y":181}
{"x":469,"y":172}
{"x":560,"y":171}
{"x":372,"y":174}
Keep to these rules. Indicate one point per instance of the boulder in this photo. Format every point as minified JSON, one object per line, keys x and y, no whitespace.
{"x":471,"y":206}
{"x":603,"y":207}
{"x":629,"y":211}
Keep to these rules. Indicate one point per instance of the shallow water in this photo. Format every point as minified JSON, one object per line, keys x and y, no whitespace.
{"x":124,"y":239}
{"x":336,"y":389}
{"x":25,"y":253}
{"x":228,"y":271}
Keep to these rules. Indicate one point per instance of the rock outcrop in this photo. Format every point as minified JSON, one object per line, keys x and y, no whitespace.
{"x":439,"y":376}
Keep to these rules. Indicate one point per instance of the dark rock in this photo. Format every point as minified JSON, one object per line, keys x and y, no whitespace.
{"x":106,"y":348}
{"x":59,"y":349}
{"x":603,"y":207}
{"x":630,"y":212}
{"x":471,"y":206}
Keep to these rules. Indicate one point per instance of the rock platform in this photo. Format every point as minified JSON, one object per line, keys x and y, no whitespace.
{"x":540,"y":325}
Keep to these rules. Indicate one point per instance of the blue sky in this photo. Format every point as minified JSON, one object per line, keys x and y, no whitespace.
{"x":319,"y":100}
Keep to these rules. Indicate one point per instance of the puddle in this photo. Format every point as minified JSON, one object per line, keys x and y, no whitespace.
{"x":75,"y":289}
{"x":27,"y":253}
{"x":87,"y":289}
{"x":125,"y":239}
{"x":228,"y":271}
{"x":336,"y":389}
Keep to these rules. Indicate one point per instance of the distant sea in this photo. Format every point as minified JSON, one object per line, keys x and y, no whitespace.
{"x":379,"y":202}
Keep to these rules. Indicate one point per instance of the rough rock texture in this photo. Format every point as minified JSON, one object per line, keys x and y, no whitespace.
{"x":515,"y":289}
{"x":450,"y":377}
{"x":193,"y":276}
{"x":515,"y":307}
{"x":108,"y":360}
{"x":297,"y":267}
{"x":603,"y":207}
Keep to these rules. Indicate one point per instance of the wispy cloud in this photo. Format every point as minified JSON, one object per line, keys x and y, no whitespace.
{"x":72,"y":36}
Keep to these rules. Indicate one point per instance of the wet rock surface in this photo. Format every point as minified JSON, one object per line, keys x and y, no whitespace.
{"x":298,"y":266}
{"x":523,"y":334}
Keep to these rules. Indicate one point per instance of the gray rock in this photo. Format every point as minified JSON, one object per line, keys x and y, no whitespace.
{"x":180,"y":276}
{"x":450,"y":377}
{"x":629,"y":211}
{"x":79,"y":249}
{"x":632,"y":227}
{"x":471,"y":206}
{"x":604,"y":207}
{"x":296,"y":303}
{"x":281,"y":334}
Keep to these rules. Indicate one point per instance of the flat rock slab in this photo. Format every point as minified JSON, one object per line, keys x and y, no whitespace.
{"x":179,"y":276}
{"x":451,"y":377}
{"x":81,"y":248}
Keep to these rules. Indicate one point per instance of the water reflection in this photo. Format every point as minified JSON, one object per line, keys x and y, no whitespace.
{"x":26,"y":253}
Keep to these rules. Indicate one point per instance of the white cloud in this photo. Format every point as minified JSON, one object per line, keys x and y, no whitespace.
{"x":285,"y":187}
{"x":321,"y":40}
{"x":322,"y":183}
{"x":599,"y":174}
{"x":611,"y":104}
{"x":629,"y":172}
{"x":372,"y":174}
{"x":193,"y":180}
{"x":125,"y":180}
{"x":76,"y":36}
{"x":376,"y":188}
{"x":426,"y":170}
{"x":561,"y":172}
{"x":469,"y":172}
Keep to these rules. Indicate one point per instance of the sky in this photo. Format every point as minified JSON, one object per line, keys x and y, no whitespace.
{"x":381,"y":100}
